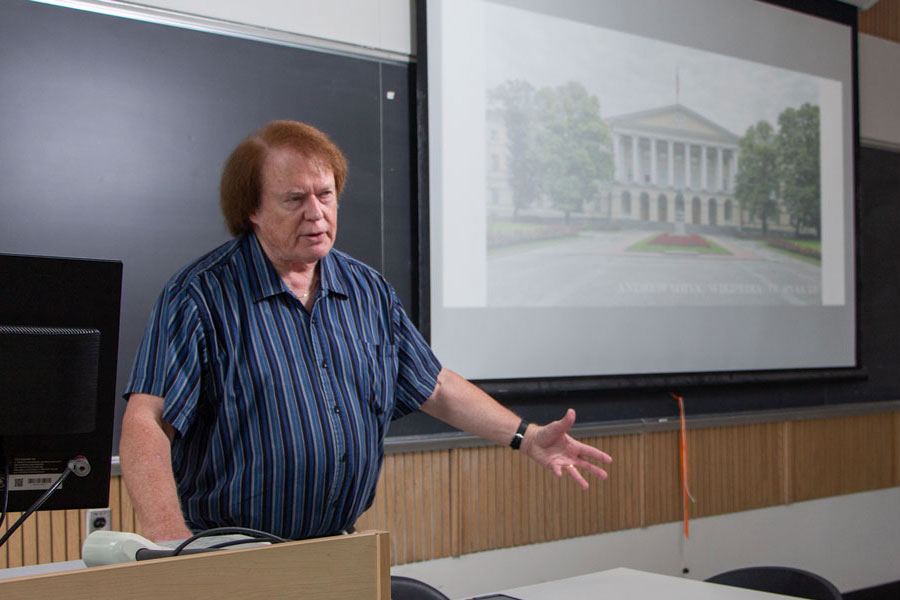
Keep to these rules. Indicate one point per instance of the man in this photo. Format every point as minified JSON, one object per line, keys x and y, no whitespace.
{"x":272,"y":366}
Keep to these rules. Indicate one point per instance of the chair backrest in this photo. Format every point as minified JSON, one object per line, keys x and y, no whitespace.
{"x":780,"y":580}
{"x":407,"y":588}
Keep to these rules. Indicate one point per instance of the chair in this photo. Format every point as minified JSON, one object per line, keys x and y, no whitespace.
{"x":780,"y":580}
{"x":407,"y":588}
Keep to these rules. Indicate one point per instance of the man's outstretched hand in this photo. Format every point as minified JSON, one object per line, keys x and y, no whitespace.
{"x":551,"y":446}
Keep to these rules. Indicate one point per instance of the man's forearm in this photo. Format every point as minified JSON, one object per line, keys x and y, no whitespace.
{"x":145,"y":452}
{"x":463,"y":405}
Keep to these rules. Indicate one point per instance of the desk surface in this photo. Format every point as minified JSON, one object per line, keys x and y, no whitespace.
{"x":628,"y":584}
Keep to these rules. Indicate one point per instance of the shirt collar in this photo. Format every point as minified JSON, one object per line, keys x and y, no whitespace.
{"x":265,"y":281}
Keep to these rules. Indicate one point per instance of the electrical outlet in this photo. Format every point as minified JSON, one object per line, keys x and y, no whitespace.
{"x":98,"y":519}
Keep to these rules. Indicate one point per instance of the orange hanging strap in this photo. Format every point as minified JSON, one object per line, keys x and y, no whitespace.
{"x":682,"y":447}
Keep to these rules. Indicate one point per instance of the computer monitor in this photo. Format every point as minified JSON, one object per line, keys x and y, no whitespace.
{"x":59,"y":333}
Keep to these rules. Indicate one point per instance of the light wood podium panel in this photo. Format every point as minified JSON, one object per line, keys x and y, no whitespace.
{"x":350,"y":567}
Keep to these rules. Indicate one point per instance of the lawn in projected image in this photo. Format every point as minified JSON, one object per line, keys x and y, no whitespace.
{"x":644,"y":173}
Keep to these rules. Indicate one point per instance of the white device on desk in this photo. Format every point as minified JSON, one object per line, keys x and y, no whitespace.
{"x":113,"y":547}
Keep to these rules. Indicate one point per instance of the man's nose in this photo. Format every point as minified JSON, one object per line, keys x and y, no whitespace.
{"x":312,"y":211}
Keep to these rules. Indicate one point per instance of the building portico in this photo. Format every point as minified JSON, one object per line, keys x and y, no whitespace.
{"x":673,"y":164}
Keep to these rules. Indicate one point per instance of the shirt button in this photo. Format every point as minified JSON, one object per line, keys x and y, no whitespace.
{"x":337,"y":409}
{"x":324,"y":364}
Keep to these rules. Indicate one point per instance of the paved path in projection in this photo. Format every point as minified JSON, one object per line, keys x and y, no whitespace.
{"x":597,"y":269}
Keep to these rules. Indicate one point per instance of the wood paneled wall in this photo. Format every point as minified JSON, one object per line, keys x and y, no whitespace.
{"x":882,"y":20}
{"x":452,"y":502}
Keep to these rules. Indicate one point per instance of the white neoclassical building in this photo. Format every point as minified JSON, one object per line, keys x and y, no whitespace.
{"x":672,"y":164}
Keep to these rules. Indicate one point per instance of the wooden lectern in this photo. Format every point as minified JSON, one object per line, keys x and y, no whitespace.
{"x":347,"y":567}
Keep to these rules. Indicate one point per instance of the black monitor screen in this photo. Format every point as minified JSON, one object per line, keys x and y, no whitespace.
{"x":59,"y":332}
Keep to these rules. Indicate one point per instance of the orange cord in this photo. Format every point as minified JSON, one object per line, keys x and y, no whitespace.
{"x":682,"y":447}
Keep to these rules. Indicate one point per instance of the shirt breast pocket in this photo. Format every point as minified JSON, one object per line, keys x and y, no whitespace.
{"x":378,"y":377}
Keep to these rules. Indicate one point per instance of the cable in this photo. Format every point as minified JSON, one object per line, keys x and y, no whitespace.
{"x":40,"y":502}
{"x":254,"y":534}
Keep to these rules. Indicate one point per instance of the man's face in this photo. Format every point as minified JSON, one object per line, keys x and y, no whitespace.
{"x":296,"y":221}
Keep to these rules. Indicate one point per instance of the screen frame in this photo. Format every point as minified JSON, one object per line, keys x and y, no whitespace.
{"x":833,"y":10}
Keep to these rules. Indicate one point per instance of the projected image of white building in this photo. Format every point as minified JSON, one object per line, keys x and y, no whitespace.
{"x":673,"y":165}
{"x":654,"y":207}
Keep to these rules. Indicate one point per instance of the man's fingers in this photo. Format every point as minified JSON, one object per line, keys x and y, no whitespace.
{"x":585,"y":451}
{"x":575,"y":474}
{"x":596,"y":471}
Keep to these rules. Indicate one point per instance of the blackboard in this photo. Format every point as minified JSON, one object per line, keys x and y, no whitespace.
{"x":113,"y":133}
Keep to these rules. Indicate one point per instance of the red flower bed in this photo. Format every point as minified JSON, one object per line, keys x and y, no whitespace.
{"x":670,"y":239}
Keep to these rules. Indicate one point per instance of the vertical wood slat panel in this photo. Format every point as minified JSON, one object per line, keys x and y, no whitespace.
{"x":29,"y":541}
{"x":732,"y":469}
{"x":830,"y":457}
{"x":515,"y":501}
{"x":882,"y":20}
{"x":412,"y":501}
{"x":662,"y":479}
{"x":456,"y":506}
{"x":620,"y":495}
{"x":44,"y":537}
{"x":4,"y":549}
{"x":15,"y":556}
{"x":115,"y":494}
{"x":58,"y":536}
{"x":786,"y":433}
{"x":74,"y":535}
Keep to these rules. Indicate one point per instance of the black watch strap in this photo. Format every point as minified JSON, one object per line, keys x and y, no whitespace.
{"x":520,"y":435}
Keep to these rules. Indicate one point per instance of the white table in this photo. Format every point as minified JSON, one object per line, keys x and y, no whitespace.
{"x":628,"y":584}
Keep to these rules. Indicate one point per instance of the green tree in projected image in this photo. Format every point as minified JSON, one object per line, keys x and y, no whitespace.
{"x":782,"y":168}
{"x":797,"y":151}
{"x":517,"y":99}
{"x":559,"y":146}
{"x":573,"y":145}
{"x":757,"y":177}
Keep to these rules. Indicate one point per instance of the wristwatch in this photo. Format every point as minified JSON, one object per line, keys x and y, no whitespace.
{"x":520,"y":435}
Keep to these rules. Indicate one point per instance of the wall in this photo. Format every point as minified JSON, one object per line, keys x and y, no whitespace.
{"x":381,"y":24}
{"x":761,"y":488}
{"x":879,"y":90}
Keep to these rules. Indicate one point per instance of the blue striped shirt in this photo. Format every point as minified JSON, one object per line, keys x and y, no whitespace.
{"x":280,"y":413}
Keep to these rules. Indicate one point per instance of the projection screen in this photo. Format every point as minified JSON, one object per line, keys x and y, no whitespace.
{"x":639,"y":187}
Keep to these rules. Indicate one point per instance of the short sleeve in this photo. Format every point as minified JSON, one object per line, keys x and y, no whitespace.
{"x":168,"y":361}
{"x":418,"y":366}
